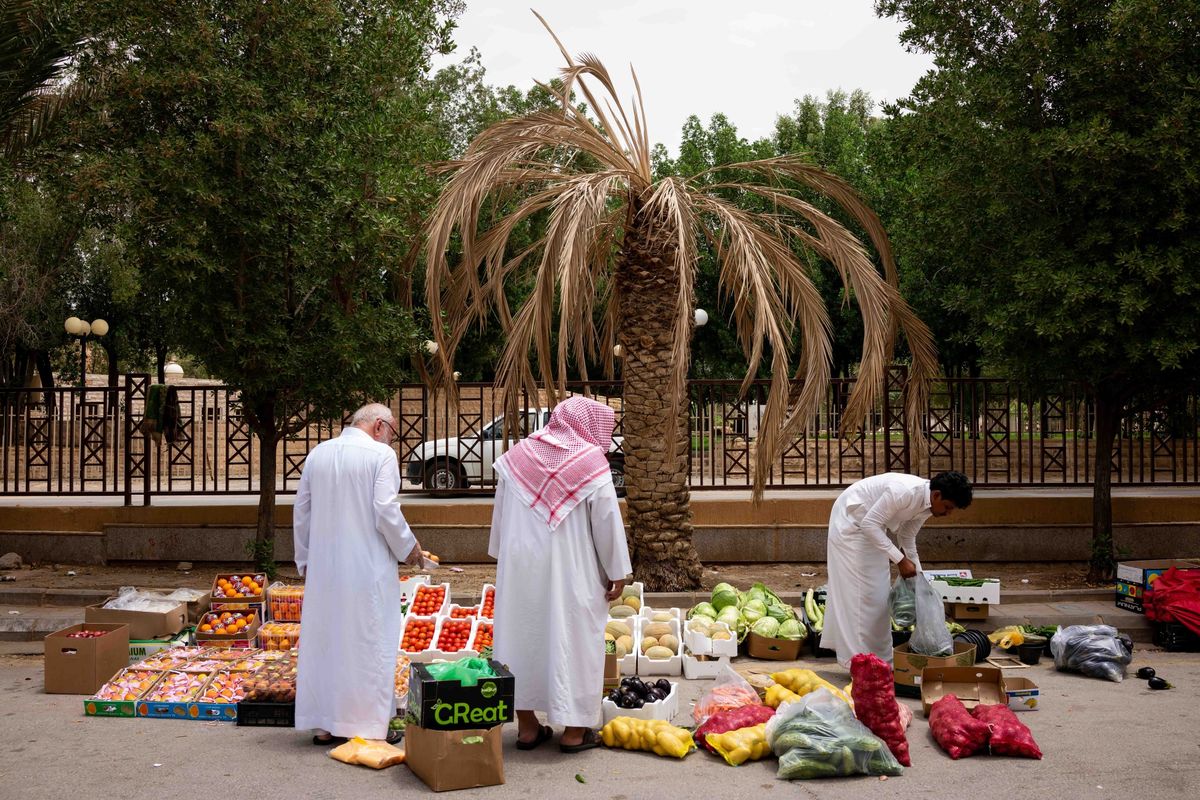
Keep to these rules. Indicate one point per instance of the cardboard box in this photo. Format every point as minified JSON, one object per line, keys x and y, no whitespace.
{"x":1133,"y":577}
{"x":773,"y":649}
{"x":460,"y":759}
{"x":449,"y":705}
{"x":140,"y":648}
{"x":142,"y":624}
{"x":967,"y":610}
{"x":102,"y":707}
{"x":1023,"y":694}
{"x":254,"y":598}
{"x":972,"y":685}
{"x":612,"y":671}
{"x":246,"y":638}
{"x":82,"y":666}
{"x":907,"y":666}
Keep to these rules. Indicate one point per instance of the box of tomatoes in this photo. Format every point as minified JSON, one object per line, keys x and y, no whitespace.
{"x":430,"y":638}
{"x":430,"y":600}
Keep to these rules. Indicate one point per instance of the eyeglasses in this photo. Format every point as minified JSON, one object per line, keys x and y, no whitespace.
{"x":395,"y":433}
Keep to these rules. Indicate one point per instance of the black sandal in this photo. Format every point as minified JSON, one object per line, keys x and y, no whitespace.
{"x":395,"y":737}
{"x":590,"y":739}
{"x":543,"y":735}
{"x":332,"y":740}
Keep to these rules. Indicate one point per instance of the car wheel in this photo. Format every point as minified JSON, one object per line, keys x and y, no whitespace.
{"x":617,"y":469}
{"x":444,"y":476}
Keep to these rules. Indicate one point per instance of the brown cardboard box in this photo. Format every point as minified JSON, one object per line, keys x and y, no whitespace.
{"x":907,"y":665}
{"x":82,"y":666}
{"x":142,"y":624}
{"x":773,"y":649}
{"x":967,"y":610}
{"x":1023,"y":694}
{"x":612,"y":671}
{"x":448,"y":760}
{"x":972,"y":685}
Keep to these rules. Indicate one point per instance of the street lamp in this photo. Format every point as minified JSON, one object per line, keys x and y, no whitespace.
{"x":83,"y":330}
{"x":701,"y":317}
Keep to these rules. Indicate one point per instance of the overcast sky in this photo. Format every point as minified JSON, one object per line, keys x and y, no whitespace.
{"x":749,"y":59}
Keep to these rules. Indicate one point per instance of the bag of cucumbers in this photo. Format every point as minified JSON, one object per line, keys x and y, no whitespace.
{"x":819,"y":737}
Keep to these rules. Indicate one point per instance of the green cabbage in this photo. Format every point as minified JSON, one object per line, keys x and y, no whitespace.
{"x":755,"y":592}
{"x":792,"y":629}
{"x":766,"y":627}
{"x":724,"y":596}
{"x":704,"y":610}
{"x":734,"y":619}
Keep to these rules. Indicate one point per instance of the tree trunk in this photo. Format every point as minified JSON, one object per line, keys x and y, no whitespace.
{"x":1103,"y":563}
{"x":160,"y":359}
{"x":266,"y":431}
{"x":656,"y":479}
{"x":110,"y":352}
{"x":46,"y":374}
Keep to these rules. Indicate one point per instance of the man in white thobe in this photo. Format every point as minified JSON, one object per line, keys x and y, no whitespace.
{"x":560,"y":544}
{"x":349,"y":536}
{"x":859,"y":553}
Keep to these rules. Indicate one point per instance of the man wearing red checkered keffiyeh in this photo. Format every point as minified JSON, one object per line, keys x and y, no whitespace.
{"x":559,"y":541}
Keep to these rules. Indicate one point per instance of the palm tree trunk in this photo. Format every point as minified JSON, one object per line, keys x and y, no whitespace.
{"x":656,"y":475}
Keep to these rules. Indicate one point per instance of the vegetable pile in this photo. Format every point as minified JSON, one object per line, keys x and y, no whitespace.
{"x":955,"y":730}
{"x":1098,"y":651}
{"x":803,"y":681}
{"x":731,"y":719}
{"x":648,"y":735}
{"x":1009,"y":736}
{"x":758,"y":609}
{"x":741,"y":745}
{"x":635,"y":693}
{"x":818,"y":737}
{"x":730,"y":691}
{"x":874,"y":692}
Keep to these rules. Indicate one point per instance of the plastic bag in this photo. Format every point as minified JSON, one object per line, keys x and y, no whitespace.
{"x":903,"y":601}
{"x":466,"y":671}
{"x":1010,"y":736}
{"x":373,"y":754}
{"x":803,"y":681}
{"x":930,"y":637}
{"x":741,"y":745}
{"x":1006,"y":637}
{"x":131,"y":599}
{"x":818,"y":737}
{"x":729,"y":691}
{"x":955,"y":730}
{"x":1098,"y":651}
{"x":874,"y":692}
{"x":731,"y":720}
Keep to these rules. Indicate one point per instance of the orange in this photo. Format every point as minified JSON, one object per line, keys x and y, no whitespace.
{"x":206,"y":628}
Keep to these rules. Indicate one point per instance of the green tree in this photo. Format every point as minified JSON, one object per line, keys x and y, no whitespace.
{"x":1053,"y":153}
{"x":263,"y":162}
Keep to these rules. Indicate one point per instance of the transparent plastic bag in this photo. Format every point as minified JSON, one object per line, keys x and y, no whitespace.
{"x":903,"y":601}
{"x":130,"y":598}
{"x":730,"y":690}
{"x":819,"y":737}
{"x":930,"y":636}
{"x":1098,"y":651}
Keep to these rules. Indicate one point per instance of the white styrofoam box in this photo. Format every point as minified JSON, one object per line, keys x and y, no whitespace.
{"x":665,"y":666}
{"x":408,"y":587}
{"x":988,"y":593}
{"x":628,"y":664}
{"x":434,"y":654}
{"x":404,"y":626}
{"x":445,"y":596}
{"x":452,"y":606}
{"x":695,"y":669}
{"x":702,"y":645}
{"x":932,"y":574}
{"x":647,"y":614}
{"x":634,"y":589}
{"x":483,"y":596}
{"x":479,"y":624}
{"x":666,"y":708}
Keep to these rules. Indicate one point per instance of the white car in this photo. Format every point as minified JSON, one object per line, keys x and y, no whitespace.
{"x":463,"y":461}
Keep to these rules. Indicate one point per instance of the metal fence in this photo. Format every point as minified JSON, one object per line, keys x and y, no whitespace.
{"x":68,"y":441}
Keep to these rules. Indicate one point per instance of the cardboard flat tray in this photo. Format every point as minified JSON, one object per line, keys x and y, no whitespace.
{"x":972,"y":685}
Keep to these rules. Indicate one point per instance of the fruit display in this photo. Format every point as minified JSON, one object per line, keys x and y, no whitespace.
{"x":621,"y":633}
{"x":636,"y":693}
{"x":279,"y":635}
{"x":403,"y":673}
{"x":488,"y":606}
{"x":459,"y":612}
{"x":225,"y":687}
{"x":429,"y":599}
{"x":483,"y":636}
{"x":418,"y":634}
{"x":164,"y":660}
{"x":275,"y":682}
{"x":285,"y":602}
{"x":803,"y":681}
{"x":627,"y":605}
{"x":239,"y":587}
{"x":178,"y":687}
{"x":648,"y":735}
{"x":740,"y":745}
{"x":659,"y":640}
{"x":454,"y":635}
{"x":227,"y":623}
{"x":209,"y":664}
{"x":86,"y":634}
{"x":128,"y":684}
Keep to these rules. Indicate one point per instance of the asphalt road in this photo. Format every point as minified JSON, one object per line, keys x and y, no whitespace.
{"x":1100,"y":739}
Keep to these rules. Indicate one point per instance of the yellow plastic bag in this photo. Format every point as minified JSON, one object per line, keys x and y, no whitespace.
{"x":374,"y":754}
{"x":1009,"y":636}
{"x":744,"y":744}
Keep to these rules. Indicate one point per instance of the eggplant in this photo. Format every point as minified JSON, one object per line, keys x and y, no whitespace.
{"x":636,"y":684}
{"x":614,"y":696}
{"x":654,"y":695}
{"x":625,"y":682}
{"x":1158,"y":683}
{"x":663,"y":684}
{"x":1145,"y":673}
{"x":627,"y":701}
{"x":638,"y":702}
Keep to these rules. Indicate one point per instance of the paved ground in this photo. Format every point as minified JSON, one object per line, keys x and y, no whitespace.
{"x":1101,"y":740}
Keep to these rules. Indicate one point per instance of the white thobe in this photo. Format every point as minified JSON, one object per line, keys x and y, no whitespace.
{"x":550,"y":608}
{"x":349,"y":536}
{"x":856,"y":606}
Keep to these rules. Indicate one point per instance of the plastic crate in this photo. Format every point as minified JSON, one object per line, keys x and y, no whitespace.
{"x":270,"y":715}
{"x":1176,"y":638}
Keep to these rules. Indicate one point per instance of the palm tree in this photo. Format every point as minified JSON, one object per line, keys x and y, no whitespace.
{"x":34,"y":56}
{"x":618,"y":238}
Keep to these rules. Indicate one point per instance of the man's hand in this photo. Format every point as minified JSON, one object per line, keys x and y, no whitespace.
{"x":907,"y":568}
{"x":414,"y":557}
{"x":614,"y":590}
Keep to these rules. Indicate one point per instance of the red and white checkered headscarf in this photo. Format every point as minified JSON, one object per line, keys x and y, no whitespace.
{"x":558,"y":467}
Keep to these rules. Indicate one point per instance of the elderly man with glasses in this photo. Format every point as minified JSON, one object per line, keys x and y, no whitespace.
{"x":349,"y":535}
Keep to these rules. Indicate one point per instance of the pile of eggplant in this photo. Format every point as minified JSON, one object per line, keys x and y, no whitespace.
{"x":635,"y":693}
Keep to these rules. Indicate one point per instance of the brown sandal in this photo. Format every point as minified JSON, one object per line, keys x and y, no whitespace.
{"x":590,"y":739}
{"x":543,"y":735}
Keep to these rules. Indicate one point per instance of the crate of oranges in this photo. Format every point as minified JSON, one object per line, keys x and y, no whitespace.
{"x":238,"y":588}
{"x":285,"y":602}
{"x":232,"y":626}
{"x":430,"y":600}
{"x":279,"y":635}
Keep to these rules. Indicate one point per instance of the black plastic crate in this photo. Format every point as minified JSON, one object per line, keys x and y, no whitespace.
{"x":271,"y":715}
{"x":1176,"y":638}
